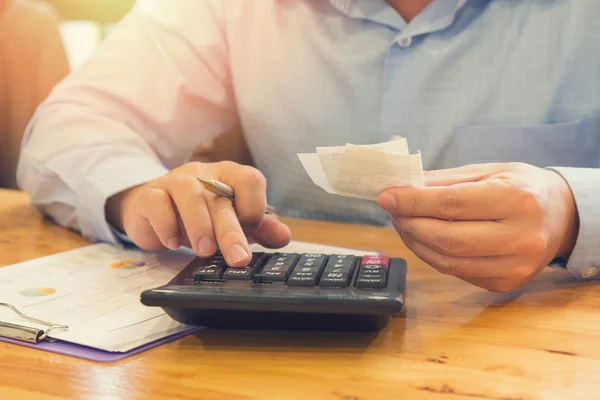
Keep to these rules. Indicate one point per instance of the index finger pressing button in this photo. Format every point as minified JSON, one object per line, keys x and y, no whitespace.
{"x":246,"y":272}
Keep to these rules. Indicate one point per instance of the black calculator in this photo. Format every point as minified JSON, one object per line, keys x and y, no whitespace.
{"x":286,"y":291}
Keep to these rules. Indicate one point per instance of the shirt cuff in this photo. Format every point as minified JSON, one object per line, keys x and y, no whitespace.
{"x":105,"y":180}
{"x":584,"y":261}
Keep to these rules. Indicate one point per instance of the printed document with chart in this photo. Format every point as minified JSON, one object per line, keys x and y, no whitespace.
{"x":364,"y":171}
{"x":95,"y":291}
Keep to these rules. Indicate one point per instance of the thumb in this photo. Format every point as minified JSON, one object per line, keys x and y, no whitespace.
{"x":463,"y":174}
{"x":272,"y":234}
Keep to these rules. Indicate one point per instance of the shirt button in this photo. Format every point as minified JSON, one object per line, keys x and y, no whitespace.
{"x":588,"y":273}
{"x":405,"y":42}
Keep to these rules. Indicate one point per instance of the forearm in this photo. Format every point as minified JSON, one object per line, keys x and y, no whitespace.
{"x":69,"y":178}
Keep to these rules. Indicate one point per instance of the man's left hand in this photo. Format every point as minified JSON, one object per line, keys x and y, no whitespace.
{"x":493,"y":225}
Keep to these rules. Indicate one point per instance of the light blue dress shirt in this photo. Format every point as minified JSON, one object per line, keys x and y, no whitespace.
{"x":465,"y":81}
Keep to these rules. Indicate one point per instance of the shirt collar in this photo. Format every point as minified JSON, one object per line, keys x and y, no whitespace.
{"x":373,"y":10}
{"x":436,"y":16}
{"x":342,"y":5}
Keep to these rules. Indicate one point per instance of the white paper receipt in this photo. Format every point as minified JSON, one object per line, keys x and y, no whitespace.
{"x":364,"y":171}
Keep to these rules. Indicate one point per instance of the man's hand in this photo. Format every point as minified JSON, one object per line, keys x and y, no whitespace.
{"x":493,"y":225}
{"x":175,"y":210}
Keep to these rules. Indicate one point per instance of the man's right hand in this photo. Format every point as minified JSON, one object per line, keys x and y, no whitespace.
{"x":175,"y":210}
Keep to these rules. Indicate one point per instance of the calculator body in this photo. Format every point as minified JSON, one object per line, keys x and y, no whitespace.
{"x":285,"y":291}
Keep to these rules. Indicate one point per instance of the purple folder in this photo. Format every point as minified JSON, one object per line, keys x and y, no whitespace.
{"x":91,"y":354}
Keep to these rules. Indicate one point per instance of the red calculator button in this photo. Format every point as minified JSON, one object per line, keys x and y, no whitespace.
{"x":376,"y":260}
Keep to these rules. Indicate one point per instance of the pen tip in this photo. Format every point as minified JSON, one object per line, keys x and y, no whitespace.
{"x":206,"y":182}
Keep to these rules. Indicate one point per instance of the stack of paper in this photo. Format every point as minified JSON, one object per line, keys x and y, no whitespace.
{"x":364,"y":171}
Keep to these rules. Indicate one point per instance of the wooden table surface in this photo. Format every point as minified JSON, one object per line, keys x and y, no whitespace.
{"x":454,"y":341}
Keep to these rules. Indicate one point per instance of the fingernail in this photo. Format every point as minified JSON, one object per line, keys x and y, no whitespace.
{"x":387,"y":201}
{"x":237,"y":253}
{"x":173,"y":243}
{"x":206,"y":246}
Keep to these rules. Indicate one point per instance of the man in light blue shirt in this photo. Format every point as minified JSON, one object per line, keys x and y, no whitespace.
{"x":501,"y":97}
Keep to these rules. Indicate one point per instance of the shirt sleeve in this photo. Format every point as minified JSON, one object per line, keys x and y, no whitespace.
{"x":584,"y":261}
{"x":156,"y":88}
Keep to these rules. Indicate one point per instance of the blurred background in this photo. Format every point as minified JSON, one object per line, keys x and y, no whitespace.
{"x":83,"y":23}
{"x":41,"y":41}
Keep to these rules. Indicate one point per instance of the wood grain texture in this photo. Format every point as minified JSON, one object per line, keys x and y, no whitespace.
{"x":454,"y":341}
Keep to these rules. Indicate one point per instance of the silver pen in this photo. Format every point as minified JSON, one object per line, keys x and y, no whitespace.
{"x":223,"y":190}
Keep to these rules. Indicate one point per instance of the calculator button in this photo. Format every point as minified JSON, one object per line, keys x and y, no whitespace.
{"x":311,"y":264}
{"x":273,"y":276}
{"x":369,"y":273}
{"x":335,"y":279}
{"x":339,"y":271}
{"x":280,"y":262}
{"x":371,"y":278}
{"x":287,"y":255}
{"x":313,"y":255}
{"x":371,"y":283}
{"x":341,"y":259}
{"x":243,"y":273}
{"x":303,"y":278}
{"x":337,"y":265}
{"x":213,"y":269}
{"x":276,"y":268}
{"x":300,"y":268}
{"x":237,"y":273}
{"x":282,"y":258}
{"x":375,"y":260}
{"x":312,"y":260}
{"x":373,"y":269}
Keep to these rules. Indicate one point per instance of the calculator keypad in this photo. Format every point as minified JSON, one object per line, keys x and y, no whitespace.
{"x":333,"y":271}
